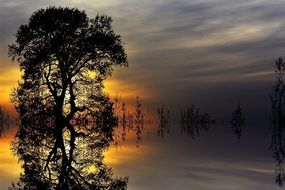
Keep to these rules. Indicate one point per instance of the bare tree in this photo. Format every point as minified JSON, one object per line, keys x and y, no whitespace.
{"x":238,"y":121}
{"x":4,"y":121}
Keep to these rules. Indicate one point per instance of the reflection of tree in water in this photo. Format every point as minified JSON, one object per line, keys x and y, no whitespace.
{"x":129,"y":121}
{"x":238,"y":121}
{"x":4,"y":121}
{"x":65,"y":119}
{"x":139,"y":121}
{"x":278,"y":121}
{"x":163,"y":121}
{"x":192,"y":121}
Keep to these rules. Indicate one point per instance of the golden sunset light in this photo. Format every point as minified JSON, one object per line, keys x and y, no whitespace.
{"x":136,"y":95}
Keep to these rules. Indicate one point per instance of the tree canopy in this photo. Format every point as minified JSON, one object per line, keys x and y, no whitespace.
{"x":66,"y":121}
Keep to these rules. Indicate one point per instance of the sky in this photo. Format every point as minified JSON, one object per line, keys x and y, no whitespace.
{"x":211,"y":53}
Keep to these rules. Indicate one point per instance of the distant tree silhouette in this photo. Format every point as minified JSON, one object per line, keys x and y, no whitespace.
{"x":4,"y":121}
{"x":163,"y":120}
{"x":65,"y":119}
{"x":128,"y":121}
{"x":278,"y":121}
{"x":192,"y":121}
{"x":238,"y":121}
{"x":124,"y":121}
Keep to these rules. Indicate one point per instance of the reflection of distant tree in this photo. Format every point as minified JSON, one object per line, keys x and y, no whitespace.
{"x":139,"y":120}
{"x":4,"y":121}
{"x":163,"y":119}
{"x":129,"y":121}
{"x":278,"y":121}
{"x":192,"y":121}
{"x":238,"y":121}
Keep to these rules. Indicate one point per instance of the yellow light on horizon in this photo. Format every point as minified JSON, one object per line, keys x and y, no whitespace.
{"x":9,"y":165}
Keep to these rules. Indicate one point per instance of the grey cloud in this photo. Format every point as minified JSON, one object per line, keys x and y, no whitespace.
{"x":210,"y":76}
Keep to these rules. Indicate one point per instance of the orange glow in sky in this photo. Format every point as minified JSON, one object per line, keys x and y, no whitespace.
{"x":9,"y":166}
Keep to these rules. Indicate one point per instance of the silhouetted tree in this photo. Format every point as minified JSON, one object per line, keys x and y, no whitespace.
{"x":139,"y":120}
{"x":124,"y":121}
{"x":4,"y":121}
{"x":278,"y":121}
{"x":238,"y":121}
{"x":163,"y":120}
{"x":192,"y":121}
{"x":65,"y":119}
{"x":128,"y":121}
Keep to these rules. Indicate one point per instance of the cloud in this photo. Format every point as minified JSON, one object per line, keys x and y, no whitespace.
{"x":180,"y":50}
{"x":212,"y":53}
